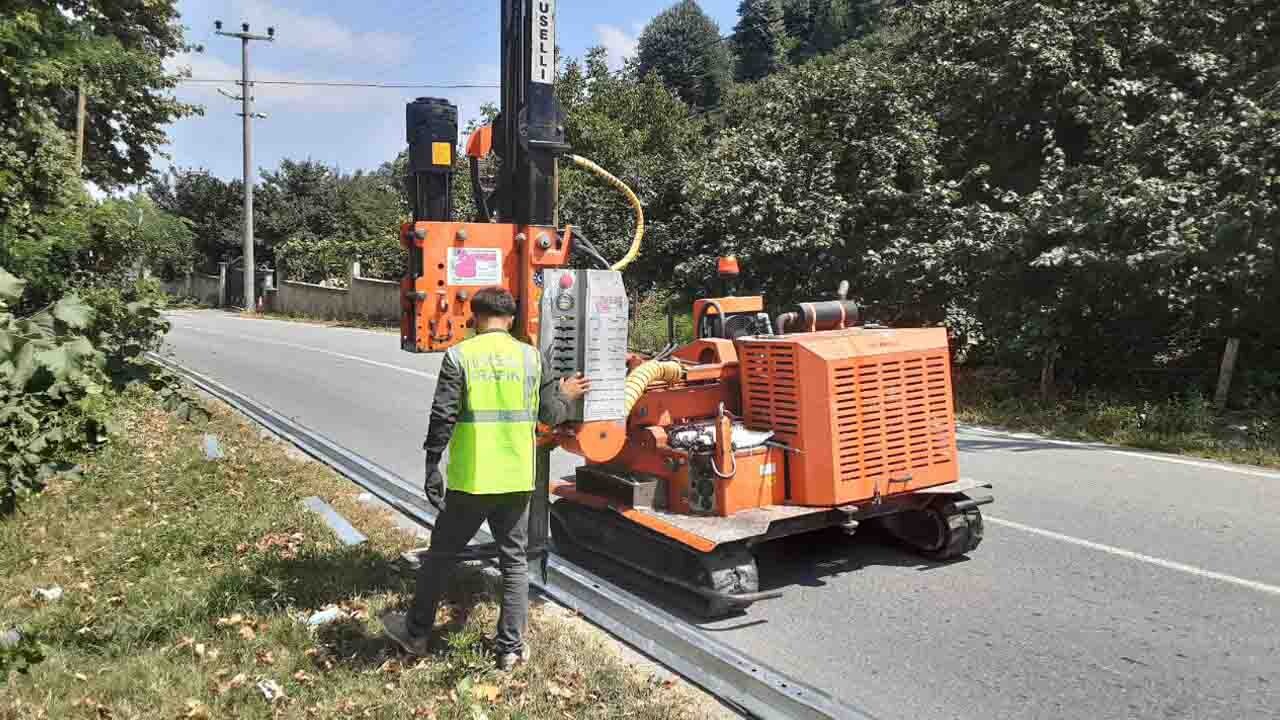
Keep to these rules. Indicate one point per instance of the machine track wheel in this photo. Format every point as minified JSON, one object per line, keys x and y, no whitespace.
{"x":938,"y":531}
{"x":588,"y":534}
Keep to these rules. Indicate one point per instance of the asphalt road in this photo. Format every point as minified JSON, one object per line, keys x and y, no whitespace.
{"x":1111,"y":584}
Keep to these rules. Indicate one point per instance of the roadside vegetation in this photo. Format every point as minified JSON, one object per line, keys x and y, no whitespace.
{"x":187,"y":585}
{"x":1186,"y":424}
{"x":1083,"y":193}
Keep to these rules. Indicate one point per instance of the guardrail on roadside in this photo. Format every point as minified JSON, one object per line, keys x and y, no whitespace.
{"x":738,"y":680}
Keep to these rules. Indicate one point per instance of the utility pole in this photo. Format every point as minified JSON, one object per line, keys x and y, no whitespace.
{"x":246,"y":98}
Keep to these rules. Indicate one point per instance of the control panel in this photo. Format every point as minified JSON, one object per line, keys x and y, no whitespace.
{"x":584,"y":330}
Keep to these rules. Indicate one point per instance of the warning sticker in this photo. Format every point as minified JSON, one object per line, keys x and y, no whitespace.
{"x":475,"y":266}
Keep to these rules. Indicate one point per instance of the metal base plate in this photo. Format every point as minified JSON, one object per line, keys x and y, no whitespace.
{"x":739,"y":526}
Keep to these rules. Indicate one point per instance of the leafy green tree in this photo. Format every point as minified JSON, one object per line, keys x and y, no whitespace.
{"x":1133,"y":148}
{"x":759,"y":40}
{"x":316,"y":221}
{"x":213,"y":206}
{"x":117,"y":48}
{"x":682,"y":45}
{"x":826,"y":164}
{"x":129,"y":234}
{"x":1065,"y":184}
{"x":816,"y":27}
{"x":640,"y":131}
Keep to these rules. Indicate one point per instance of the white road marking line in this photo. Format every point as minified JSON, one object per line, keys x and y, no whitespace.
{"x":1121,"y":552}
{"x":310,"y":348}
{"x":1131,"y":453}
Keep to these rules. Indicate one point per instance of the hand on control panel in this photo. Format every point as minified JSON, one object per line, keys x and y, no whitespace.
{"x":574,"y":387}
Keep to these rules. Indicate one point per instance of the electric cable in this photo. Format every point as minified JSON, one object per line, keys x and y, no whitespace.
{"x":343,"y":83}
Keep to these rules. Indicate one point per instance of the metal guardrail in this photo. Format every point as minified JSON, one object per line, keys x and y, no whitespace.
{"x":741,"y":682}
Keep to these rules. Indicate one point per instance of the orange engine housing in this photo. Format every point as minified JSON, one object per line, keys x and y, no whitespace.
{"x":870,"y":412}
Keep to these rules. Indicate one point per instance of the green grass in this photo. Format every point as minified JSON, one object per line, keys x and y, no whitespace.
{"x":1186,"y":425}
{"x":187,"y":582}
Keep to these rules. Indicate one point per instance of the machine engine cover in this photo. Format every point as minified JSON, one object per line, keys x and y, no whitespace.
{"x":868,"y":412}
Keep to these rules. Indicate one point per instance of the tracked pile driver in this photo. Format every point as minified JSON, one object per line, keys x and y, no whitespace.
{"x":761,"y":427}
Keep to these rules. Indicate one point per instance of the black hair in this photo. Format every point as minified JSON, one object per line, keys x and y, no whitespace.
{"x":493,"y":302}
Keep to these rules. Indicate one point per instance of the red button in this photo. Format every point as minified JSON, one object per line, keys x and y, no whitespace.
{"x":566,"y":281}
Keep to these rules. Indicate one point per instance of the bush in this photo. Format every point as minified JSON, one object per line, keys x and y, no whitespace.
{"x":58,"y":367}
{"x":1176,"y":416}
{"x":649,"y":322}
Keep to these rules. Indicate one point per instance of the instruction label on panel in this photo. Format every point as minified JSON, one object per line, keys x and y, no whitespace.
{"x":475,"y":266}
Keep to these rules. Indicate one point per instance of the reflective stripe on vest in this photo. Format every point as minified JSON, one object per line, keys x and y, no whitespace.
{"x":492,"y":446}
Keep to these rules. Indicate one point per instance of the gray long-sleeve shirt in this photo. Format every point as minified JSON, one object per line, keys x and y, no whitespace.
{"x":553,"y":409}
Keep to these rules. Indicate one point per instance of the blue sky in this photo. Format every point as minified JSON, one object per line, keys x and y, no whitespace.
{"x":379,"y":41}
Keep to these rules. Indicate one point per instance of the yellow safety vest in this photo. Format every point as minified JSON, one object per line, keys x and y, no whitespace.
{"x":492,"y":448}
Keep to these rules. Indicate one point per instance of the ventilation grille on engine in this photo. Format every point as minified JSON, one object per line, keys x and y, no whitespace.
{"x":771,"y":394}
{"x":893,"y":416}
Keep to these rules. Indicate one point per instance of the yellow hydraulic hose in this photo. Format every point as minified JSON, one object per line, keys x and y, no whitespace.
{"x":649,"y":372}
{"x":634,"y":250}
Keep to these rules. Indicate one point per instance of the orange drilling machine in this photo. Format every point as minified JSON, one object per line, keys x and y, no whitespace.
{"x":762,"y":427}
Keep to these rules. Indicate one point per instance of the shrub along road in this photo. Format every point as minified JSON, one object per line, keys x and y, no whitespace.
{"x":1111,"y":584}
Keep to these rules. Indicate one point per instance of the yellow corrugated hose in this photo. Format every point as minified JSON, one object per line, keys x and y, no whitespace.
{"x":634,"y":250}
{"x":646,"y":373}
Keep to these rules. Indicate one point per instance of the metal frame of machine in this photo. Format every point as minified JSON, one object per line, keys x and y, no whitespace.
{"x":761,"y":427}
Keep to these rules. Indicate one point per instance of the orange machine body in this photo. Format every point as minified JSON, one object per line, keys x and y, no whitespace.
{"x":858,"y":415}
{"x":869,"y":412}
{"x":450,"y":261}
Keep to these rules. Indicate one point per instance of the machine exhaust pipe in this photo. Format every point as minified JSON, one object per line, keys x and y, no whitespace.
{"x":813,"y":316}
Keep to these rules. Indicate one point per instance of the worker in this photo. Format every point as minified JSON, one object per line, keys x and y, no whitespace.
{"x":490,"y":389}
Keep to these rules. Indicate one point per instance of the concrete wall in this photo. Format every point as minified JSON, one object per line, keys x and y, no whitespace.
{"x":362,"y":299}
{"x":374,"y":299}
{"x":207,"y":289}
{"x":316,"y":301}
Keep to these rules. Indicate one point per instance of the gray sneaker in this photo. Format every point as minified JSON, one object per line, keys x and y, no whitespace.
{"x":508,"y":661}
{"x":396,"y":626}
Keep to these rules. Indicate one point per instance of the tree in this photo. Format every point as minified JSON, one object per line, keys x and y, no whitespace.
{"x":682,"y":45}
{"x":1068,"y":185}
{"x":816,"y":27}
{"x":640,"y":131}
{"x":46,"y":48}
{"x":213,"y":207}
{"x":117,"y":48}
{"x":759,"y":39}
{"x":129,"y":234}
{"x":829,"y":164}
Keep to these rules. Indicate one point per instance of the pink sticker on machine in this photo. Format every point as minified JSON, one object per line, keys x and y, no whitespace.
{"x":475,"y":266}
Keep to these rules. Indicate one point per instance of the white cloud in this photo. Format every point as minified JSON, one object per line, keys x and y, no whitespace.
{"x":322,"y":33}
{"x":617,"y":43}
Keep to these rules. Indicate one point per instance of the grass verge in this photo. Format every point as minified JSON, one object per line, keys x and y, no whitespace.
{"x":1186,"y":425}
{"x":187,"y":583}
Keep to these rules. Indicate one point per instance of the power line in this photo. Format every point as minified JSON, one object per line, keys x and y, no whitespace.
{"x":339,"y":83}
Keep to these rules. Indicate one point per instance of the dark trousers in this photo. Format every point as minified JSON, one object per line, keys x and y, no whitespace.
{"x":508,"y":516}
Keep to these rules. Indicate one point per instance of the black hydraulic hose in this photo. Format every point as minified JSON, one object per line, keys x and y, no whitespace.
{"x":477,"y":192}
{"x":697,"y":322}
{"x":581,"y":241}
